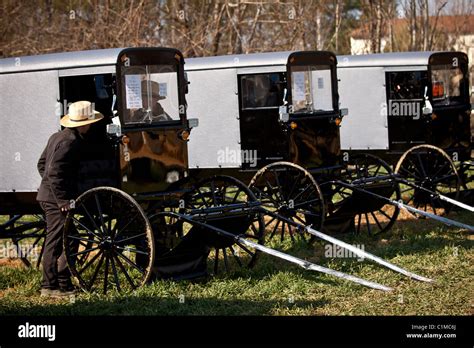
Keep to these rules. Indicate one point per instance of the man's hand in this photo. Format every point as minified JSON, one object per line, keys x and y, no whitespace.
{"x":65,"y":208}
{"x":68,"y":206}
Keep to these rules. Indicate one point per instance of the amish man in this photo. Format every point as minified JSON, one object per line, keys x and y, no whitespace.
{"x":153,"y":112}
{"x":58,"y":167}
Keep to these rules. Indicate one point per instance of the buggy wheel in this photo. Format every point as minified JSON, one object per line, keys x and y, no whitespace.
{"x":108,"y":241}
{"x":290,"y":191}
{"x":27,"y":233}
{"x":431,"y":169}
{"x":465,"y":170}
{"x":369,"y":214}
{"x":223,"y":192}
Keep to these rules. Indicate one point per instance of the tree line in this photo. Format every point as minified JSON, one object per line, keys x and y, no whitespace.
{"x":216,"y":27}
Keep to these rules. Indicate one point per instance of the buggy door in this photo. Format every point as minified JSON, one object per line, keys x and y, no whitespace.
{"x":94,"y":84}
{"x":405,"y":99}
{"x":262,"y":135}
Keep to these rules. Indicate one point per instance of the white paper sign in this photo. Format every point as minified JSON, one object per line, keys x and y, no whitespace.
{"x":133,"y":91}
{"x":322,"y":96}
{"x":299,"y":86}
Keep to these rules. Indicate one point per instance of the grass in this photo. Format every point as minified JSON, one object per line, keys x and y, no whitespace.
{"x":275,"y":287}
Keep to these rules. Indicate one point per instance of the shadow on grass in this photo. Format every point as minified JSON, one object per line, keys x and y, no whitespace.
{"x":409,"y":237}
{"x":150,"y":305}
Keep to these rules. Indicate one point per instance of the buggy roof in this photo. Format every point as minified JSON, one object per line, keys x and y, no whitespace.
{"x":385,"y":59}
{"x":238,"y":61}
{"x":65,"y":60}
{"x":103,"y":57}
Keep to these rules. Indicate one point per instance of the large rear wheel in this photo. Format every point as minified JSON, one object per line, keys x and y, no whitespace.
{"x":368,"y":211}
{"x":289,"y":191}
{"x":222,"y":202}
{"x":108,"y":241}
{"x":429,"y":171}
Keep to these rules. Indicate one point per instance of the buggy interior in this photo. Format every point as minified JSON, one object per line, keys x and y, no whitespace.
{"x":97,"y":156}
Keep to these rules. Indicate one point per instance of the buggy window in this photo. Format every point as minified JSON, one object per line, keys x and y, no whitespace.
{"x":407,"y":84}
{"x":447,"y":83}
{"x":311,"y":88}
{"x":261,"y":91}
{"x":150,"y":94}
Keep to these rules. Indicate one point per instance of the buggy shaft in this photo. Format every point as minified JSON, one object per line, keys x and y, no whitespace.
{"x":435,"y":194}
{"x":302,"y":263}
{"x":401,"y":205}
{"x":401,"y":180}
{"x":313,"y":267}
{"x":357,"y":251}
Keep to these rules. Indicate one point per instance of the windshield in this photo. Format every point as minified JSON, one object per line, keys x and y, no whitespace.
{"x":447,"y":84}
{"x":151,"y":94}
{"x":311,"y":89}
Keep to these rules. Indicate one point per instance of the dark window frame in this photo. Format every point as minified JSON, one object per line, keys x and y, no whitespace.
{"x":278,"y":94}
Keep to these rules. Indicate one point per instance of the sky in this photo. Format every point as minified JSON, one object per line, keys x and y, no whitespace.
{"x":452,"y":7}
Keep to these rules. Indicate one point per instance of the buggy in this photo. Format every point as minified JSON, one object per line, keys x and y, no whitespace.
{"x":417,"y":119}
{"x":150,"y":216}
{"x":273,"y":120}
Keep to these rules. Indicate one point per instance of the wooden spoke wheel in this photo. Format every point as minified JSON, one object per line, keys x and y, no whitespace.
{"x":367,"y":213}
{"x":432,"y":170}
{"x":290,"y":191}
{"x":27,"y":233}
{"x":465,"y":170}
{"x":212,"y":201}
{"x":108,"y":241}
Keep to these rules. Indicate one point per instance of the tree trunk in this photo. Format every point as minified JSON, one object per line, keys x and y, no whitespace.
{"x":336,"y":25}
{"x":391,"y":14}
{"x":424,"y":10}
{"x":412,"y":25}
{"x":378,"y":26}
{"x":217,"y":33}
{"x":318,"y":29}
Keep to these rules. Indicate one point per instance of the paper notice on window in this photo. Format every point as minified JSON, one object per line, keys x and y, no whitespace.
{"x":299,"y":86}
{"x":321,"y":90}
{"x":133,"y":91}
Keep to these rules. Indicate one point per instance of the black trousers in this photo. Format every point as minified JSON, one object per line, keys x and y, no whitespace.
{"x":55,"y":271}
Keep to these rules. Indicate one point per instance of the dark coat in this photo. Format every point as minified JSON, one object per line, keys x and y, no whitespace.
{"x":59,"y":168}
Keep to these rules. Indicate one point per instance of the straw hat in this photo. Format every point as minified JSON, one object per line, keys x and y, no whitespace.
{"x":80,"y":114}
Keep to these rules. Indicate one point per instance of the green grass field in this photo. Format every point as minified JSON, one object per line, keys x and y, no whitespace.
{"x":275,"y":287}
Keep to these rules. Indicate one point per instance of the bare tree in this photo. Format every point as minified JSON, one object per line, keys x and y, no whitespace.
{"x":213,"y":27}
{"x":373,"y":15}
